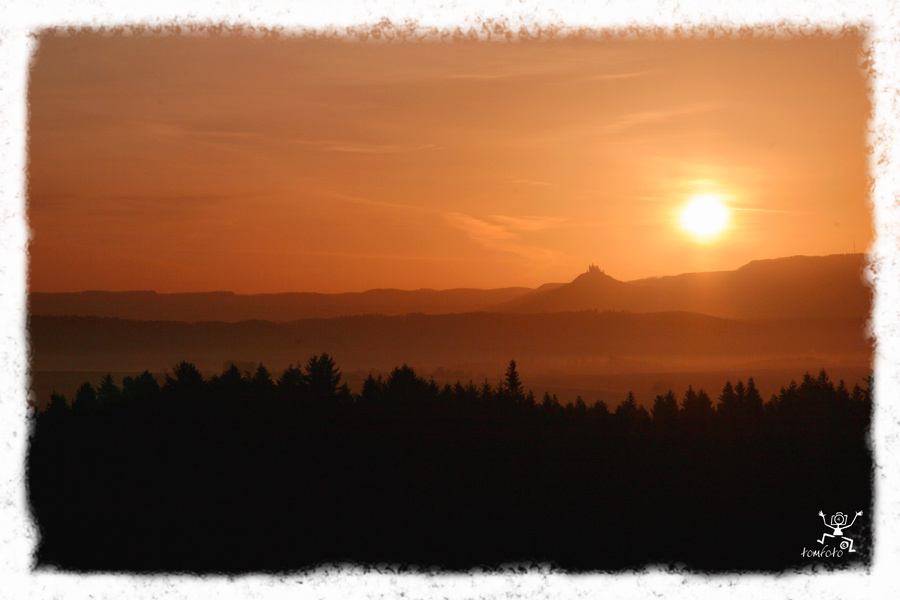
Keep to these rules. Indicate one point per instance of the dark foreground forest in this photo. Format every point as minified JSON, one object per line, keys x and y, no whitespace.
{"x":243,"y":472}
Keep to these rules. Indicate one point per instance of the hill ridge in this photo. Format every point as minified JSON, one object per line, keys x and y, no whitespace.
{"x":760,"y":289}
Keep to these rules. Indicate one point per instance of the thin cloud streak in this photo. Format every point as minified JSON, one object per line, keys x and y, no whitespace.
{"x":349,"y":147}
{"x":377,"y":148}
{"x":529,"y":223}
{"x":478,"y":230}
{"x":135,"y":203}
{"x":767,"y":210}
{"x":326,"y":253}
{"x":614,"y":76}
{"x":503,"y":237}
{"x":476,"y":76}
{"x":656,"y":116}
{"x":528,"y":182}
{"x":379,"y":203}
{"x":225,"y":138}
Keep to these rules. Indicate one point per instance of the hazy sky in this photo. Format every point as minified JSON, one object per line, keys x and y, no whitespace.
{"x":194,"y":164}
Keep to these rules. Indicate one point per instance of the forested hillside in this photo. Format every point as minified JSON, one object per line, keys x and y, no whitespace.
{"x":246,"y":472}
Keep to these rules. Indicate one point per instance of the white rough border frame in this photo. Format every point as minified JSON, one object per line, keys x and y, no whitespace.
{"x":20,"y":19}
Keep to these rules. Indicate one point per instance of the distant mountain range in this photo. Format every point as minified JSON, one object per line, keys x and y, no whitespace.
{"x":798,"y":287}
{"x":231,"y":308}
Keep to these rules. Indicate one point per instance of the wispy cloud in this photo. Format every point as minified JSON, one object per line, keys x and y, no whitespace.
{"x":528,"y":182}
{"x":379,"y":203}
{"x":501,"y":233}
{"x":352,"y":147}
{"x":614,"y":76}
{"x":766,"y":210}
{"x":223,"y":135}
{"x":354,"y":255}
{"x":477,"y":229}
{"x":136,"y":204}
{"x":358,"y":148}
{"x":476,"y":76}
{"x":529,"y":223}
{"x":656,"y":116}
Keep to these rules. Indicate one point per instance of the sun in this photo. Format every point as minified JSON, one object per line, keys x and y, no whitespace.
{"x":704,"y":216}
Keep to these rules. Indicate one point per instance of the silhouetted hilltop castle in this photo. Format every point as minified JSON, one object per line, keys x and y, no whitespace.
{"x":594,"y":276}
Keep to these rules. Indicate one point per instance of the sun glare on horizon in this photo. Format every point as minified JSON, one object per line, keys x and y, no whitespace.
{"x":705,"y":216}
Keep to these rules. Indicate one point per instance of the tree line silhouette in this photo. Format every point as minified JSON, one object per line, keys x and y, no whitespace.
{"x":245,"y":472}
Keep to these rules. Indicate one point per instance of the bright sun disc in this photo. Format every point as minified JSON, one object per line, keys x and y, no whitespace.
{"x":705,"y":216}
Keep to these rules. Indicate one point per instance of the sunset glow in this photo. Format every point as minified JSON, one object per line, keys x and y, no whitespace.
{"x":187,"y":164}
{"x":428,"y":303}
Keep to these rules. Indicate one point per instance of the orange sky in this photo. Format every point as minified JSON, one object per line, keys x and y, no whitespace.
{"x":195,"y":164}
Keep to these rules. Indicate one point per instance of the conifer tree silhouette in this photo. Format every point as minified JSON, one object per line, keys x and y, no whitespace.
{"x":696,"y":406}
{"x":753,"y":400}
{"x":665,"y":410}
{"x":85,"y":398}
{"x":107,"y":392}
{"x":323,"y":378}
{"x":513,"y":386}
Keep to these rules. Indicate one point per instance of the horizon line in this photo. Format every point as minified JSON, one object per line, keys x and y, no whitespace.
{"x":429,"y":289}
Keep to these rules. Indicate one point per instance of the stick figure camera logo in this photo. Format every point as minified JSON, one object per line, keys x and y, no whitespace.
{"x":837,"y":525}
